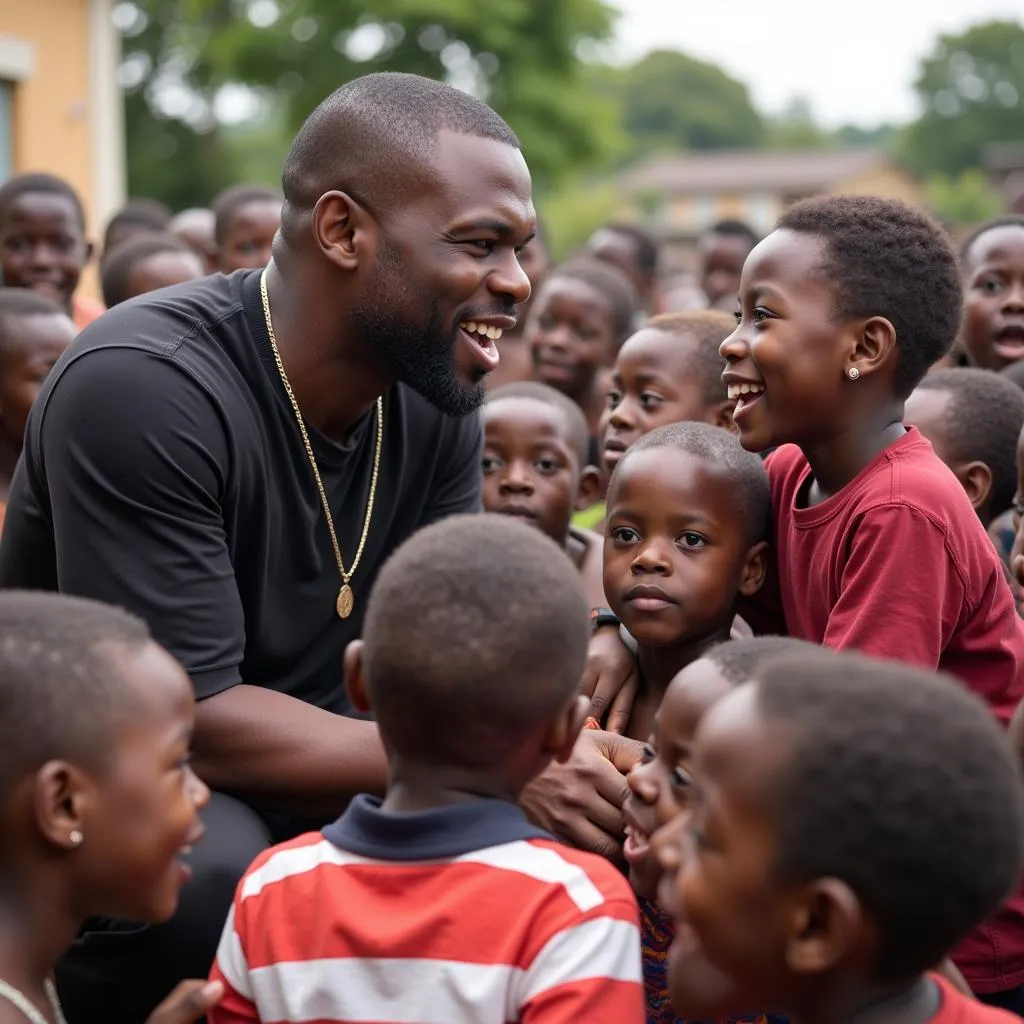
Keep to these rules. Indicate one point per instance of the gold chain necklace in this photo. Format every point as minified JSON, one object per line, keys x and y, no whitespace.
{"x":346,"y":598}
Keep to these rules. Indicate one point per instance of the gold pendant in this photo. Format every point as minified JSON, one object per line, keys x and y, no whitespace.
{"x":346,"y":601}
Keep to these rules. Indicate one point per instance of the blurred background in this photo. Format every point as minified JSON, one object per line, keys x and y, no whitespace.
{"x":664,"y":112}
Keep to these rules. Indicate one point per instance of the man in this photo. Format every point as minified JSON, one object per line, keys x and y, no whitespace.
{"x":234,"y":460}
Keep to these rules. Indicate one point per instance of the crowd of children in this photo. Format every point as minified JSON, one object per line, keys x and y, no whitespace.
{"x":783,"y":532}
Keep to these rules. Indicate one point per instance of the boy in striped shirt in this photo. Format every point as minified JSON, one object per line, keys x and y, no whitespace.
{"x":443,"y":904}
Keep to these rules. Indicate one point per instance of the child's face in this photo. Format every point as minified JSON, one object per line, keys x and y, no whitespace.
{"x":163,"y":269}
{"x":732,"y":921}
{"x":250,"y":236}
{"x":660,"y":783}
{"x":721,"y":263}
{"x":993,"y":325}
{"x":570,"y":333}
{"x":42,"y":246}
{"x":653,"y":384}
{"x":786,"y":358}
{"x":142,"y":813}
{"x":34,"y":344}
{"x":928,"y":410}
{"x":530,"y":469}
{"x":676,"y":550}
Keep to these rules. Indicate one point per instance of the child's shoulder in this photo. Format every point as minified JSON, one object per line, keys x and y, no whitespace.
{"x":957,"y":1008}
{"x":587,"y":877}
{"x":296,"y":856}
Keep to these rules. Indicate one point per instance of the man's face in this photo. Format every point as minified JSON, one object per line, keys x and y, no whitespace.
{"x":447,"y":280}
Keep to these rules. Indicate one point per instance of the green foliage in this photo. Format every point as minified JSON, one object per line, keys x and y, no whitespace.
{"x":968,"y":198}
{"x":972,"y":89}
{"x":797,"y":129}
{"x":574,"y":211}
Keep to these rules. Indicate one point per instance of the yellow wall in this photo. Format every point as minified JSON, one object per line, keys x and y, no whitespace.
{"x":890,"y":182}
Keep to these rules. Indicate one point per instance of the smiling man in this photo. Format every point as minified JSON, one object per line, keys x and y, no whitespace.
{"x":234,"y":460}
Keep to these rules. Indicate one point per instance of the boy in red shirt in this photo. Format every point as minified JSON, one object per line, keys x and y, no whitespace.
{"x":849,"y":820}
{"x":877,"y":548}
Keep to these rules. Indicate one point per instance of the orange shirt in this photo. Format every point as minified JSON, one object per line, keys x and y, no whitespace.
{"x":84,"y":311}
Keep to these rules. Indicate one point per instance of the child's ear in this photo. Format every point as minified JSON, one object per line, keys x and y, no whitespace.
{"x":754,"y":569}
{"x":61,"y":797}
{"x":720,"y":415}
{"x":354,"y":682}
{"x":875,"y":344}
{"x":827,"y":927}
{"x":565,"y":730}
{"x":589,"y":490}
{"x":976,"y":480}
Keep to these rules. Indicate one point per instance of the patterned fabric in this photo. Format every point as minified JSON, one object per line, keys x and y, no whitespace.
{"x":656,"y":936}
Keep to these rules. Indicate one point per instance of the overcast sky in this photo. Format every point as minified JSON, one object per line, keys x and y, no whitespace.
{"x":856,"y":60}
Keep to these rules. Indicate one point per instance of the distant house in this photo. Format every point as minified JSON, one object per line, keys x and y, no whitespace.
{"x":684,"y":194}
{"x":1004,"y":162}
{"x":60,"y":105}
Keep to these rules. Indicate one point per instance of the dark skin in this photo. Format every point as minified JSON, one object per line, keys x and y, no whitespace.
{"x":676,"y":556}
{"x":195,"y":228}
{"x":721,"y":264}
{"x":136,"y":813}
{"x":33,"y":344}
{"x":162,"y":270}
{"x":43,"y":246}
{"x":620,"y":251}
{"x":992,"y":334}
{"x":744,"y":940}
{"x":534,"y":472}
{"x":249,"y":238}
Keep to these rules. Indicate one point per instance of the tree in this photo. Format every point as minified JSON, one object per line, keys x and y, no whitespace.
{"x":971,"y":88}
{"x":672,"y":101}
{"x":185,"y":60}
{"x":796,"y":128}
{"x":966,"y":199}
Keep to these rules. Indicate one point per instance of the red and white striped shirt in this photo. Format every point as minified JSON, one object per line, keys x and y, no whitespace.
{"x":461,"y":915}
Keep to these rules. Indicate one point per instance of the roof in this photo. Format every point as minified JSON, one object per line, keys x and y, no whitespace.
{"x":785,"y":171}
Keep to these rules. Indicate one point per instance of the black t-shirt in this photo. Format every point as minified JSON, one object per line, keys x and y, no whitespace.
{"x":164,"y":472}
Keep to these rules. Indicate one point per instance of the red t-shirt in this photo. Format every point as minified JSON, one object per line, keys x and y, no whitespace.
{"x":898,"y":565}
{"x":957,"y":1008}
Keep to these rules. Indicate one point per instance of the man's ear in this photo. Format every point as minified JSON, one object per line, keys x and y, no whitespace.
{"x":355,"y":684}
{"x":344,"y":230}
{"x":589,"y":490}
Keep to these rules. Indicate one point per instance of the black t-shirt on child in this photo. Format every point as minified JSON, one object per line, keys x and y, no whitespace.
{"x":164,"y":472}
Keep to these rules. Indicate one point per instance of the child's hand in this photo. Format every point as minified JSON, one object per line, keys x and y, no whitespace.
{"x":187,"y":1003}
{"x":610,"y":679}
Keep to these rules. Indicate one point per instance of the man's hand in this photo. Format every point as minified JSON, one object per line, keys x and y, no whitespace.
{"x":187,"y":1003}
{"x":581,"y":801}
{"x":610,"y":679}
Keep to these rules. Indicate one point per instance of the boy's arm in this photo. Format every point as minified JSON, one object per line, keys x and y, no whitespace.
{"x":231,"y":969}
{"x":900,"y":594}
{"x":589,"y":971}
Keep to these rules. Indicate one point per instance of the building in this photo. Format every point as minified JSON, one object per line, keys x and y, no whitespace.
{"x":684,"y":194}
{"x":1004,"y":162}
{"x":60,"y":105}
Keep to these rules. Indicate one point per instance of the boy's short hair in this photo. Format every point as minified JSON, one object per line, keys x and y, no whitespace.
{"x":1009,"y":220}
{"x":884,"y":258}
{"x":738,"y":660}
{"x":61,"y":687}
{"x":709,"y":327}
{"x":612,"y":284}
{"x":643,"y":241}
{"x":984,"y":418}
{"x":49,"y":184}
{"x":475,"y":636}
{"x":232,"y":199}
{"x":745,"y":469}
{"x":733,"y":229}
{"x":117,"y":268}
{"x":23,"y":302}
{"x":900,"y":784}
{"x":147,"y":214}
{"x":576,"y":429}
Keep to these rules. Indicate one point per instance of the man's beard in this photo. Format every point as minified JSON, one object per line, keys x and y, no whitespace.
{"x":419,"y":355}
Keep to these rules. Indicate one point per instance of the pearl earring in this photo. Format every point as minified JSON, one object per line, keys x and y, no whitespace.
{"x":76,"y":838}
{"x":853,"y":373}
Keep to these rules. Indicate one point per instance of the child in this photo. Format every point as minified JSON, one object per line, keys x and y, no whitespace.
{"x":876,"y":547}
{"x":993,"y":266}
{"x":833,"y":799}
{"x":578,"y":321}
{"x":660,"y":787}
{"x":972,"y":419}
{"x":721,"y":252}
{"x":195,"y":227}
{"x":444,"y":898}
{"x":43,"y":244}
{"x":34,"y":332}
{"x":535,"y":468}
{"x":137,"y":217}
{"x":99,"y":800}
{"x":246,"y":219}
{"x":147,"y":263}
{"x":634,"y":253}
{"x":687,"y":518}
{"x":669,"y":371}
